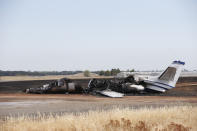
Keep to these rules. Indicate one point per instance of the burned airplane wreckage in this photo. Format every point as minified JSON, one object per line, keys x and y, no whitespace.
{"x":117,"y":87}
{"x":94,"y":87}
{"x":63,"y":85}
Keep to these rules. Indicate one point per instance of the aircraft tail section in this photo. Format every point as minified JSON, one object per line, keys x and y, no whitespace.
{"x":167,"y":79}
{"x":171,"y":74}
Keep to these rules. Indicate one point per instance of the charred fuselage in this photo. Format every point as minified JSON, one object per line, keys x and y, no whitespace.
{"x":92,"y":86}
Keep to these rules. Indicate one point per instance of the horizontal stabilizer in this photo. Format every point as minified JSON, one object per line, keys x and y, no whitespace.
{"x":110,"y":93}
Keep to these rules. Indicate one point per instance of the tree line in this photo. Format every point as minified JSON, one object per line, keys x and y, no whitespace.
{"x":37,"y":73}
{"x":111,"y":72}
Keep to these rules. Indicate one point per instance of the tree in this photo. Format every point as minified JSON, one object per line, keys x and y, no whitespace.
{"x":132,"y":70}
{"x":107,"y":73}
{"x":86,"y":73}
{"x":115,"y":71}
{"x":101,"y":73}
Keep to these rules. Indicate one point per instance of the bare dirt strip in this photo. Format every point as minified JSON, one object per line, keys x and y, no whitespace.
{"x":30,"y":104}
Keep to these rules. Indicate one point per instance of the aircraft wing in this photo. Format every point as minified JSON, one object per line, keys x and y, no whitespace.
{"x":110,"y":93}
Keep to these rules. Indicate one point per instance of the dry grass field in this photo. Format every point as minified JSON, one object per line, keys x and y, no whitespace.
{"x":25,"y":78}
{"x":180,"y":118}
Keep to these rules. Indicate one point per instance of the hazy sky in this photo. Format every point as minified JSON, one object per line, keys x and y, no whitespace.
{"x":103,"y":34}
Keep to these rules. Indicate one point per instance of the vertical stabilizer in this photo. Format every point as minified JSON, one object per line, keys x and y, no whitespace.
{"x":171,"y":74}
{"x":167,"y":79}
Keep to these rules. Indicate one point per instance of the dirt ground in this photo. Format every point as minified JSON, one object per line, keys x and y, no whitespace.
{"x":31,"y":104}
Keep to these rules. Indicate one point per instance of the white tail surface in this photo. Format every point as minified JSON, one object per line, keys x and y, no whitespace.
{"x":171,"y":75}
{"x":167,"y":79}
